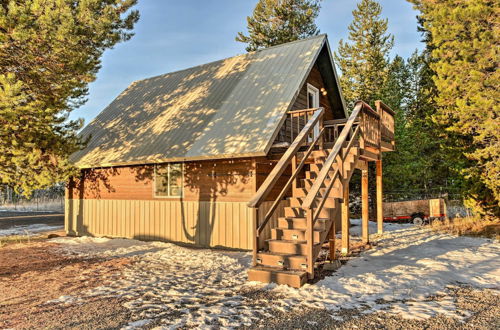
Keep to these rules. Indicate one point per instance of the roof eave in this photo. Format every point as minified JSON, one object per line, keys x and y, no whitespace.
{"x":172,"y":160}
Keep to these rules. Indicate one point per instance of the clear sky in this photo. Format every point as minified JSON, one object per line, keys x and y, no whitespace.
{"x":173,"y":35}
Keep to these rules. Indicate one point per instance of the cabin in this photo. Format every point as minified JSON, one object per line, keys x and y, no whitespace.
{"x":252,"y":152}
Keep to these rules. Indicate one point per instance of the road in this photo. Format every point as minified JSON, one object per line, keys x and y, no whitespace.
{"x":10,"y":219}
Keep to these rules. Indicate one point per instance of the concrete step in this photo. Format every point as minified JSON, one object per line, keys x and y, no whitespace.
{"x":294,"y":234}
{"x":300,"y":223}
{"x":268,"y":275}
{"x":288,"y":247}
{"x":282,"y":260}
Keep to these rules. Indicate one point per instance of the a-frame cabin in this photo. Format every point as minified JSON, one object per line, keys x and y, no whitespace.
{"x":251,"y":152}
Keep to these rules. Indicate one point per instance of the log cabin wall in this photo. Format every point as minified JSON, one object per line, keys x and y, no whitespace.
{"x":213,"y":212}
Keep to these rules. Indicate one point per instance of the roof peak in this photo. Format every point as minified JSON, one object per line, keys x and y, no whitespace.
{"x":322,"y":35}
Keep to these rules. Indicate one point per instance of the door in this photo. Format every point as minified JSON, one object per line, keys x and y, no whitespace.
{"x":313,"y":102}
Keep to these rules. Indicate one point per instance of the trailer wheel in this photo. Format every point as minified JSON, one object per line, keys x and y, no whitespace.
{"x":418,"y":221}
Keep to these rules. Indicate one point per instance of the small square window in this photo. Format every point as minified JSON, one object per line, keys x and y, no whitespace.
{"x":168,"y":180}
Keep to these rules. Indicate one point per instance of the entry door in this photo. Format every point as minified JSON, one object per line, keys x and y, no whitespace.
{"x":313,"y":102}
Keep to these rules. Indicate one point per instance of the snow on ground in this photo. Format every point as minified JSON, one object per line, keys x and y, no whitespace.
{"x":192,"y":287}
{"x":28,"y":230}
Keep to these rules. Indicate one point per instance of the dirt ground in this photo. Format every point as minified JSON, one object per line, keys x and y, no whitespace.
{"x":33,"y":273}
{"x":483,"y":303}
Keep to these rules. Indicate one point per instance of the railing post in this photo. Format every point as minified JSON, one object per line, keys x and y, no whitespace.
{"x":310,"y":243}
{"x":378,"y":106}
{"x":321,"y":126}
{"x":294,"y":168}
{"x":255,"y":228}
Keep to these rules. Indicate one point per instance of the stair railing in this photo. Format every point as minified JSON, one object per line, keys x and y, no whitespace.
{"x":337,"y":155}
{"x":290,"y":156}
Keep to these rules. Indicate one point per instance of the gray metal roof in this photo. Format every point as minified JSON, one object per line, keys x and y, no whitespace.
{"x":224,"y":109}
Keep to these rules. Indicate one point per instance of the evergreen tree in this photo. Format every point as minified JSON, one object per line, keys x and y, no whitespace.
{"x":50,"y":50}
{"x":364,"y":59}
{"x":275,"y":22}
{"x":463,"y":41}
{"x":418,"y":164}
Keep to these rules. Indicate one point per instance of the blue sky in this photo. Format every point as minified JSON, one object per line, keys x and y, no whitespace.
{"x":173,"y":35}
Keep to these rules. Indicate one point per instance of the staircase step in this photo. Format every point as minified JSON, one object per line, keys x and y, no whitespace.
{"x":320,"y":153}
{"x":300,"y":223}
{"x":329,"y":203}
{"x":282,"y":260}
{"x":299,"y":212}
{"x":268,"y":275}
{"x":334,"y":192}
{"x":294,"y":234}
{"x":289,"y":247}
{"x":316,"y":168}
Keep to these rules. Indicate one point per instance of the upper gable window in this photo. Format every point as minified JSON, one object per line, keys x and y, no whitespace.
{"x":312,"y":96}
{"x":168,"y":180}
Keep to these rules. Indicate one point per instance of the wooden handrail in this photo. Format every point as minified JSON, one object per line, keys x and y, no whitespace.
{"x":313,"y":192}
{"x":285,"y":189}
{"x":334,"y":177}
{"x":302,"y":110}
{"x":385,"y":107}
{"x":334,"y":122}
{"x":282,"y":164}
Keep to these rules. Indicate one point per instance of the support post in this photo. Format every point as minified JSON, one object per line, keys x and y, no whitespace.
{"x":255,"y":242}
{"x":310,"y":243}
{"x":380,"y":212}
{"x":331,"y":242}
{"x":364,"y":204}
{"x":345,"y":218}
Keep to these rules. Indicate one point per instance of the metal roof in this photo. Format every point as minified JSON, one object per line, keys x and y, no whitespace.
{"x":224,"y":109}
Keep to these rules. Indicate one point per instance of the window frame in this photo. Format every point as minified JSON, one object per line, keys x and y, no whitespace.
{"x":316,"y":96}
{"x":315,"y":91}
{"x":155,"y":195}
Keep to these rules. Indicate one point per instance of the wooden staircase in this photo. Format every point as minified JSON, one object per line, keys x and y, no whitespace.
{"x":318,"y":188}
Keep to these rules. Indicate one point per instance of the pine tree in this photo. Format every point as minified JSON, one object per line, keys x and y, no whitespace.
{"x":364,"y":59}
{"x":275,"y":22}
{"x":49,"y":51}
{"x":418,"y":164}
{"x":464,"y":40}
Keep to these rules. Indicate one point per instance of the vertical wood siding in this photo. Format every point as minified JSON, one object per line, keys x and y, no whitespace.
{"x":205,"y":224}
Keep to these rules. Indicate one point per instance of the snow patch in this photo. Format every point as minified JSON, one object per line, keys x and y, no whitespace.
{"x":406,"y":274}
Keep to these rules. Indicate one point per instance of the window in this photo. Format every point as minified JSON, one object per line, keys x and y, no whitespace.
{"x":168,"y":180}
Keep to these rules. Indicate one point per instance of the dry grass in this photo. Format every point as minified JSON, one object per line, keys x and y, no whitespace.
{"x":28,"y":238}
{"x":470,"y":226}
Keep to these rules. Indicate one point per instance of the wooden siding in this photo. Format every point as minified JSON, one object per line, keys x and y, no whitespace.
{"x":316,"y":80}
{"x":264,"y":167}
{"x":204,"y":224}
{"x":300,"y":103}
{"x":211,"y":181}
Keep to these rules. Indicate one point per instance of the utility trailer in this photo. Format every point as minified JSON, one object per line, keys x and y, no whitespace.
{"x":418,"y":212}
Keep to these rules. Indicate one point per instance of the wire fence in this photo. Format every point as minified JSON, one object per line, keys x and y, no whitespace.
{"x":51,"y":199}
{"x":453,"y":200}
